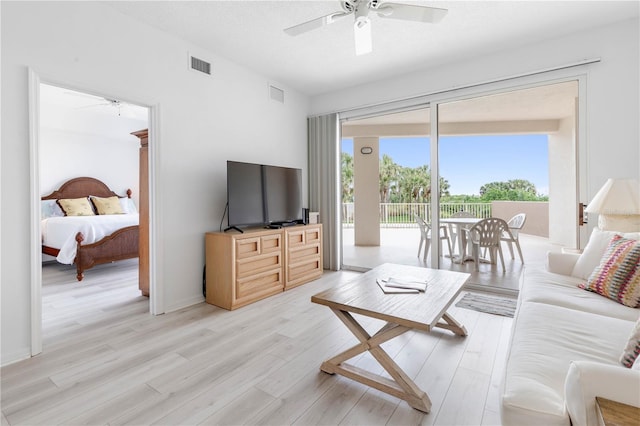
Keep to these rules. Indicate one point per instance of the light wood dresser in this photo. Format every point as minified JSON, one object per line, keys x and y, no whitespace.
{"x":242,"y":268}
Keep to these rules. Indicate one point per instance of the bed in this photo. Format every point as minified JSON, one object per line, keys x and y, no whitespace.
{"x":93,"y":239}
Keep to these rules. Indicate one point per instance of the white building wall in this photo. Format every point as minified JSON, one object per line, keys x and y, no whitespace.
{"x":562,"y":185}
{"x":204,"y":121}
{"x":366,"y":184}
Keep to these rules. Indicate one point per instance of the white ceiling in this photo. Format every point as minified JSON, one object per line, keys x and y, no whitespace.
{"x":70,"y":110}
{"x":250,"y":33}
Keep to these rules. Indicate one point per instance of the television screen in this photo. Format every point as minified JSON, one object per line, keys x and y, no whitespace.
{"x":283,"y":194}
{"x":244,"y":194}
{"x":259,"y":194}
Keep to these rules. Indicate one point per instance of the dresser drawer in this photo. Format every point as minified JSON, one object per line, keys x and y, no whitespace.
{"x":303,"y":271}
{"x":298,"y":253}
{"x":257,"y":264}
{"x":304,"y":236}
{"x":256,"y":246}
{"x":313,"y":235}
{"x":257,"y":286}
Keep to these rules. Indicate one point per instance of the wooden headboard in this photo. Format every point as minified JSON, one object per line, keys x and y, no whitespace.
{"x":82,"y":187}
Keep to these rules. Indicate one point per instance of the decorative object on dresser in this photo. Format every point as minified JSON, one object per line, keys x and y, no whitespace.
{"x":91,"y":240}
{"x":242,"y":268}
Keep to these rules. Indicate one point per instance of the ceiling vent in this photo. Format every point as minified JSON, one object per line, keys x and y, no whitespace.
{"x":200,"y":65}
{"x":276,"y":94}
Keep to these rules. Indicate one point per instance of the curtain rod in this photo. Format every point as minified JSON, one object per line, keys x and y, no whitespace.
{"x":470,"y":85}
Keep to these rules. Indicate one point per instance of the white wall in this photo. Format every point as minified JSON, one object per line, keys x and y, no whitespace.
{"x":204,"y":121}
{"x":82,"y":142}
{"x":612,"y":103}
{"x":67,"y":155}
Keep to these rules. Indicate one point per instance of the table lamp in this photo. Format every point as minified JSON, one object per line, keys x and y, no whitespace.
{"x":617,"y":204}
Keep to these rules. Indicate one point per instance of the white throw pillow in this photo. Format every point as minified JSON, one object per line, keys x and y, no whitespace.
{"x":128,"y":206}
{"x":595,"y":249}
{"x":50,"y":208}
{"x":636,"y":364}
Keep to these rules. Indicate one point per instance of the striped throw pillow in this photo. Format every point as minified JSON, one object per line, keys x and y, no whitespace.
{"x":630,"y":354}
{"x":618,"y":275}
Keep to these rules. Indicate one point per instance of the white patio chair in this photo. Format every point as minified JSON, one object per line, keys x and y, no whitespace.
{"x":512,"y":236}
{"x":425,"y":237}
{"x":486,"y":234}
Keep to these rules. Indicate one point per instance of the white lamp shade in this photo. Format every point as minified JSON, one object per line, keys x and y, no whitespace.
{"x":617,"y":197}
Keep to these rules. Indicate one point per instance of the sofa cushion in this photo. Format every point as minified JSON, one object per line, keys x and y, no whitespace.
{"x":632,"y":349}
{"x":545,"y":340}
{"x":561,"y":290}
{"x":618,"y":274}
{"x":594,"y":250}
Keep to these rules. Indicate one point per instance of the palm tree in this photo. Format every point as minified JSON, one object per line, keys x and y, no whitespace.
{"x":347,"y":177}
{"x":389,"y":175}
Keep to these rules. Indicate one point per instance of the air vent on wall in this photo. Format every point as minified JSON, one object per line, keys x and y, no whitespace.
{"x":200,"y":65}
{"x":276,"y":94}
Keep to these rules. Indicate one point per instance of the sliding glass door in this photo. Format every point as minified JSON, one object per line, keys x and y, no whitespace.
{"x":385,"y":183}
{"x":506,"y":154}
{"x":496,"y":155}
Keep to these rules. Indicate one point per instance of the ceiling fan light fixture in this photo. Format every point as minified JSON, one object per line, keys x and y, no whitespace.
{"x":362,"y":32}
{"x":362,"y":26}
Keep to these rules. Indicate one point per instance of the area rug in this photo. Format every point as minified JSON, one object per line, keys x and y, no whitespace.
{"x":490,"y":304}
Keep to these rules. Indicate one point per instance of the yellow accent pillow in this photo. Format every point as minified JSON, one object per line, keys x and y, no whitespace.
{"x":110,"y":205}
{"x":76,"y":207}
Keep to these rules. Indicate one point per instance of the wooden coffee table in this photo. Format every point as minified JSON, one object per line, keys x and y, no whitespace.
{"x":401,"y":312}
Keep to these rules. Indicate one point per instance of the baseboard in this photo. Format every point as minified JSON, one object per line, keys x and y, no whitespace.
{"x":15,"y":356}
{"x":355,"y":268}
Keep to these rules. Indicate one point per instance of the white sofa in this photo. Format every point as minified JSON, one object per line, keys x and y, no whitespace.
{"x":566,"y":345}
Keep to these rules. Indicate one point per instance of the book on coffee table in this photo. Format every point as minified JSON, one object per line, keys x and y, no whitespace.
{"x":394,"y":290}
{"x":407,"y":283}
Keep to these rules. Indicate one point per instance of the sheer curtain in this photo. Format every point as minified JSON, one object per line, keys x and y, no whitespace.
{"x":324,"y":177}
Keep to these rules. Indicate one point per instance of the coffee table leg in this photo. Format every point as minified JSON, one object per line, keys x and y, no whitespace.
{"x":451,"y":324}
{"x":401,"y":386}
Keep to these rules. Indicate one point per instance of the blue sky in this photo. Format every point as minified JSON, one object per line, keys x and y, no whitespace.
{"x":468,"y":162}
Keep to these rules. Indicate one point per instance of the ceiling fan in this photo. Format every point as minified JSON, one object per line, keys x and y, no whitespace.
{"x":362,"y":26}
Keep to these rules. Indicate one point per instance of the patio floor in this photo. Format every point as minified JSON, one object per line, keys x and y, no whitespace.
{"x":400,"y":245}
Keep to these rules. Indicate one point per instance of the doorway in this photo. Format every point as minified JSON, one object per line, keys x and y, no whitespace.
{"x":83,"y":134}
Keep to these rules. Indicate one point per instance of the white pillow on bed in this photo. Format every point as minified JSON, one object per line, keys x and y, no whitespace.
{"x":128,"y":206}
{"x":50,"y":208}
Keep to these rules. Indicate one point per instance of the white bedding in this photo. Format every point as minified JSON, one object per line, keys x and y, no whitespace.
{"x":60,"y":232}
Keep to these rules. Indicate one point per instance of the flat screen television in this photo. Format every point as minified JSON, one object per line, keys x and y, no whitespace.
{"x":260,"y":194}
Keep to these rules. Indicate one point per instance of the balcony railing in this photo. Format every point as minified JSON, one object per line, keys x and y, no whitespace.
{"x":401,"y":215}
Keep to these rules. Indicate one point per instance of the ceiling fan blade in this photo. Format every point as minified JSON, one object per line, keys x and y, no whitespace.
{"x":315,"y":23}
{"x":409,"y":12}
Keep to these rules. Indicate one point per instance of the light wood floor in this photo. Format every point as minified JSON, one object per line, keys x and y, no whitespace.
{"x":107,"y":361}
{"x":400,"y":245}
